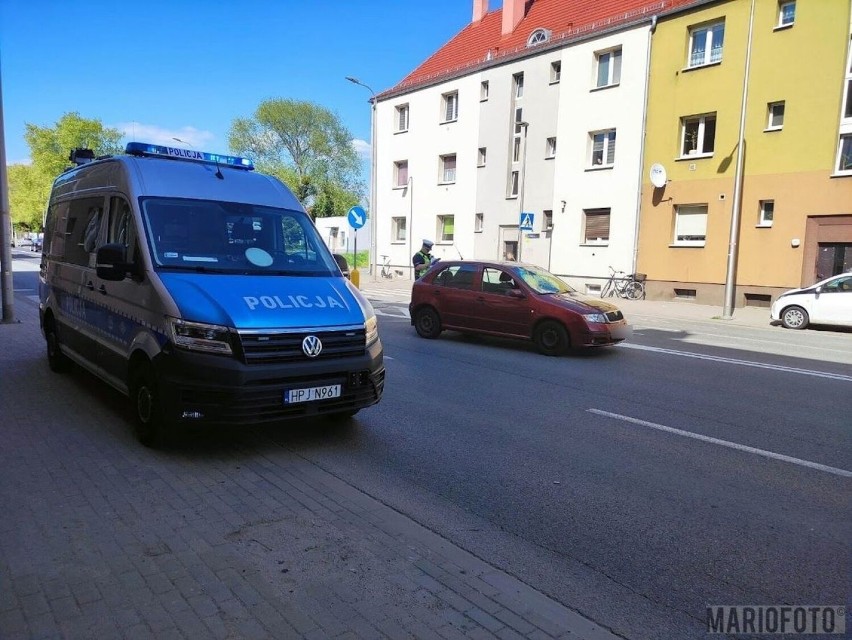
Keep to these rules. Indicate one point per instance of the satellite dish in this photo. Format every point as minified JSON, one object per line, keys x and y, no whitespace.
{"x":658,"y":175}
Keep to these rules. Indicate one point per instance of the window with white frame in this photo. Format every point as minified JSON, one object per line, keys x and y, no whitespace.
{"x":609,"y":68}
{"x":844,"y":154}
{"x":550,"y":148}
{"x":767,"y":213}
{"x":483,"y":90}
{"x":603,"y":149}
{"x":555,"y":71}
{"x":547,"y":224}
{"x":786,"y":13}
{"x":519,"y":118}
{"x":538,"y":36}
{"x":690,"y":228}
{"x":514,"y":179}
{"x":596,"y":226}
{"x":775,"y":119}
{"x":400,"y":174}
{"x":399,"y":228}
{"x":480,"y":157}
{"x":402,"y":117}
{"x":518,"y":82}
{"x":705,"y":44}
{"x":450,"y":106}
{"x":847,"y":110}
{"x":448,"y":168}
{"x":698,"y":135}
{"x":478,"y":223}
{"x":446,"y":229}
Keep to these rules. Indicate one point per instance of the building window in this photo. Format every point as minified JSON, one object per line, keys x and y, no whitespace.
{"x":844,"y":154}
{"x":847,"y":111}
{"x":448,"y":168}
{"x":786,"y":13}
{"x":603,"y":149}
{"x":698,"y":135}
{"x":516,"y":149}
{"x":518,"y":79}
{"x":450,"y":103}
{"x":402,"y":117}
{"x":776,"y":116}
{"x":519,"y":118}
{"x":399,"y":226}
{"x":596,"y":222}
{"x":705,"y":44}
{"x":480,"y":157}
{"x":609,"y":68}
{"x":555,"y":72}
{"x":767,"y":212}
{"x":483,"y":91}
{"x":478,"y":222}
{"x":400,"y":174}
{"x":550,"y":151}
{"x":548,"y":220}
{"x":690,"y":225}
{"x":538,"y":37}
{"x":445,"y":228}
{"x":513,"y":184}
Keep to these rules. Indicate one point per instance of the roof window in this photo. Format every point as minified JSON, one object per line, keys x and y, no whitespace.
{"x":538,"y":37}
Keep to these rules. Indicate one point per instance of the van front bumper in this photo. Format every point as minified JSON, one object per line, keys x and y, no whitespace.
{"x":198,"y":388}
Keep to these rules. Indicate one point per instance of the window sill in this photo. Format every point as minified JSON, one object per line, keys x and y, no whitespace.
{"x":449,"y":121}
{"x":782,"y":27}
{"x":594,"y":244}
{"x":701,"y":66}
{"x":400,"y":131}
{"x":554,"y":81}
{"x":770,"y":129}
{"x":604,"y":87}
{"x":553,"y":157}
{"x":694,"y":156}
{"x":448,"y":243}
{"x":480,"y":166}
{"x":399,"y":187}
{"x":477,"y":230}
{"x":444,"y":184}
{"x":763,"y":226}
{"x":841,"y":174}
{"x":600,"y":168}
{"x":401,"y":242}
{"x":512,"y":197}
{"x":687,"y":246}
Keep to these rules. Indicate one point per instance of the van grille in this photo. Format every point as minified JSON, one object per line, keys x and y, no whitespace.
{"x":267,"y":348}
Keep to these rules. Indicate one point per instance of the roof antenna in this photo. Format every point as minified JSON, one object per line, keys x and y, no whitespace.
{"x":215,"y":158}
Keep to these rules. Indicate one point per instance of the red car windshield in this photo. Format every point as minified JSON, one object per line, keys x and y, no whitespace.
{"x":542,"y":281}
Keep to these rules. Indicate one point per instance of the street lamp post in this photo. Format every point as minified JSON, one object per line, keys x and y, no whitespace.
{"x":373,"y":208}
{"x":522,"y":188}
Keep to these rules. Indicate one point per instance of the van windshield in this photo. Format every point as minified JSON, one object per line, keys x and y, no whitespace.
{"x":227,"y":237}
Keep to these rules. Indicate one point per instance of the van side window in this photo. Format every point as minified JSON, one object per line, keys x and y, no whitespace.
{"x":82,"y":228}
{"x":120,"y":226}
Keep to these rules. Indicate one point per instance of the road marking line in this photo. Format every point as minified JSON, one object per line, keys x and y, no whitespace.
{"x":743,"y":363}
{"x":725,"y":443}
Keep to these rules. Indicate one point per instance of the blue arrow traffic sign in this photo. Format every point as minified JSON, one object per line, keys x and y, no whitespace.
{"x":357,"y":217}
{"x":526,"y":223}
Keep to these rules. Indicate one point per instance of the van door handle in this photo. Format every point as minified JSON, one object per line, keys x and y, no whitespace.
{"x":102,"y":289}
{"x":90,"y":286}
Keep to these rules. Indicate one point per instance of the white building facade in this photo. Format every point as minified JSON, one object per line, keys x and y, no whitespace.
{"x":552,"y":129}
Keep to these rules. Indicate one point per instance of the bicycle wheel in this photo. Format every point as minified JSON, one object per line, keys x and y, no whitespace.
{"x":606,"y":292}
{"x":634,"y":291}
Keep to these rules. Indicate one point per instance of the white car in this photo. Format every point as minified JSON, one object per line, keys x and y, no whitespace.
{"x":826,"y":302}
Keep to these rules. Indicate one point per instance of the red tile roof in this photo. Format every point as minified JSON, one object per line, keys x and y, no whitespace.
{"x":565,"y":19}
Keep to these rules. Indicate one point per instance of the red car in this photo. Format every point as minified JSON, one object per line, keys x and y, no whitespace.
{"x":512,"y":300}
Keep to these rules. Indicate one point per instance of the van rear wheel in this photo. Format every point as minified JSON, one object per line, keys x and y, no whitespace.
{"x":148,"y":418}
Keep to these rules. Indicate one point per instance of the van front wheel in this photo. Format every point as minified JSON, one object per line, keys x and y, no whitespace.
{"x":147,"y":406}
{"x":56,"y":360}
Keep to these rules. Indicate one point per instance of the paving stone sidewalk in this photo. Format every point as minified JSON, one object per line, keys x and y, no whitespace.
{"x":228,"y":537}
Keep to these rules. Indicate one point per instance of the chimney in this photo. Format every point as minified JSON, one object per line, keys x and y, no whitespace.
{"x":480,"y":8}
{"x":513,"y":13}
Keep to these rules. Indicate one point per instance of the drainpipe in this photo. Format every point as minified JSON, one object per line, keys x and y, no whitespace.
{"x":651,"y":30}
{"x":737,"y":206}
{"x":410,"y":231}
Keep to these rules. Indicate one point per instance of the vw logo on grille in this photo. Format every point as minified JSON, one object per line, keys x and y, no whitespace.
{"x":312,"y":346}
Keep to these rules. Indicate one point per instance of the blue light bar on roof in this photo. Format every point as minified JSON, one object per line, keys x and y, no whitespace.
{"x":162,"y":151}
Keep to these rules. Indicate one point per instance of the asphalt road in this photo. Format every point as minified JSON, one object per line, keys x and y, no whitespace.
{"x":557,"y":470}
{"x":566,"y":472}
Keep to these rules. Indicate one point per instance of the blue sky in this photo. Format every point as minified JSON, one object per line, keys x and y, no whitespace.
{"x":187,"y":68}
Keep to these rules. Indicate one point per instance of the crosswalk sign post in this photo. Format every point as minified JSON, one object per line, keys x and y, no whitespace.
{"x":356,"y":217}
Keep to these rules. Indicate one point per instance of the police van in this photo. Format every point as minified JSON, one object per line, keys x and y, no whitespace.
{"x":202,"y":290}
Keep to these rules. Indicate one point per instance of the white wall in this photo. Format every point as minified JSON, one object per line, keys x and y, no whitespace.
{"x":345,"y":241}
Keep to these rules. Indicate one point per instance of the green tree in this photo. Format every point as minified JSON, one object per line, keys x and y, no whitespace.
{"x":29,"y":186}
{"x":307,"y":147}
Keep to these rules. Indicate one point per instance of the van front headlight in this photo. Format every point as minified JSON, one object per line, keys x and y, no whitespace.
{"x":371,"y":328}
{"x":198,"y":336}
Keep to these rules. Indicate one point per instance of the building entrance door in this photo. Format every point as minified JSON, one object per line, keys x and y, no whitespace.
{"x":833,"y":258}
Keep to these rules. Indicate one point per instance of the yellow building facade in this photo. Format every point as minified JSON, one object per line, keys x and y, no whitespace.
{"x":796,"y":207}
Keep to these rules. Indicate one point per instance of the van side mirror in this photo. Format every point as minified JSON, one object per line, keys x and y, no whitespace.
{"x":111,"y":262}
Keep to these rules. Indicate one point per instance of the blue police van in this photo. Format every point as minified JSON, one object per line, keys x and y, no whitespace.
{"x":201,"y":290}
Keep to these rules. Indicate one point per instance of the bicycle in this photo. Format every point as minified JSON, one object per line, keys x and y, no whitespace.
{"x":386,"y":271}
{"x":628,"y":286}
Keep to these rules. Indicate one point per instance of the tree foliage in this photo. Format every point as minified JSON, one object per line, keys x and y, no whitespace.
{"x":29,"y":185}
{"x":307,"y":147}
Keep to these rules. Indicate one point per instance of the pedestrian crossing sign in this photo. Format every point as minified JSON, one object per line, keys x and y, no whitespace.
{"x":526,"y":223}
